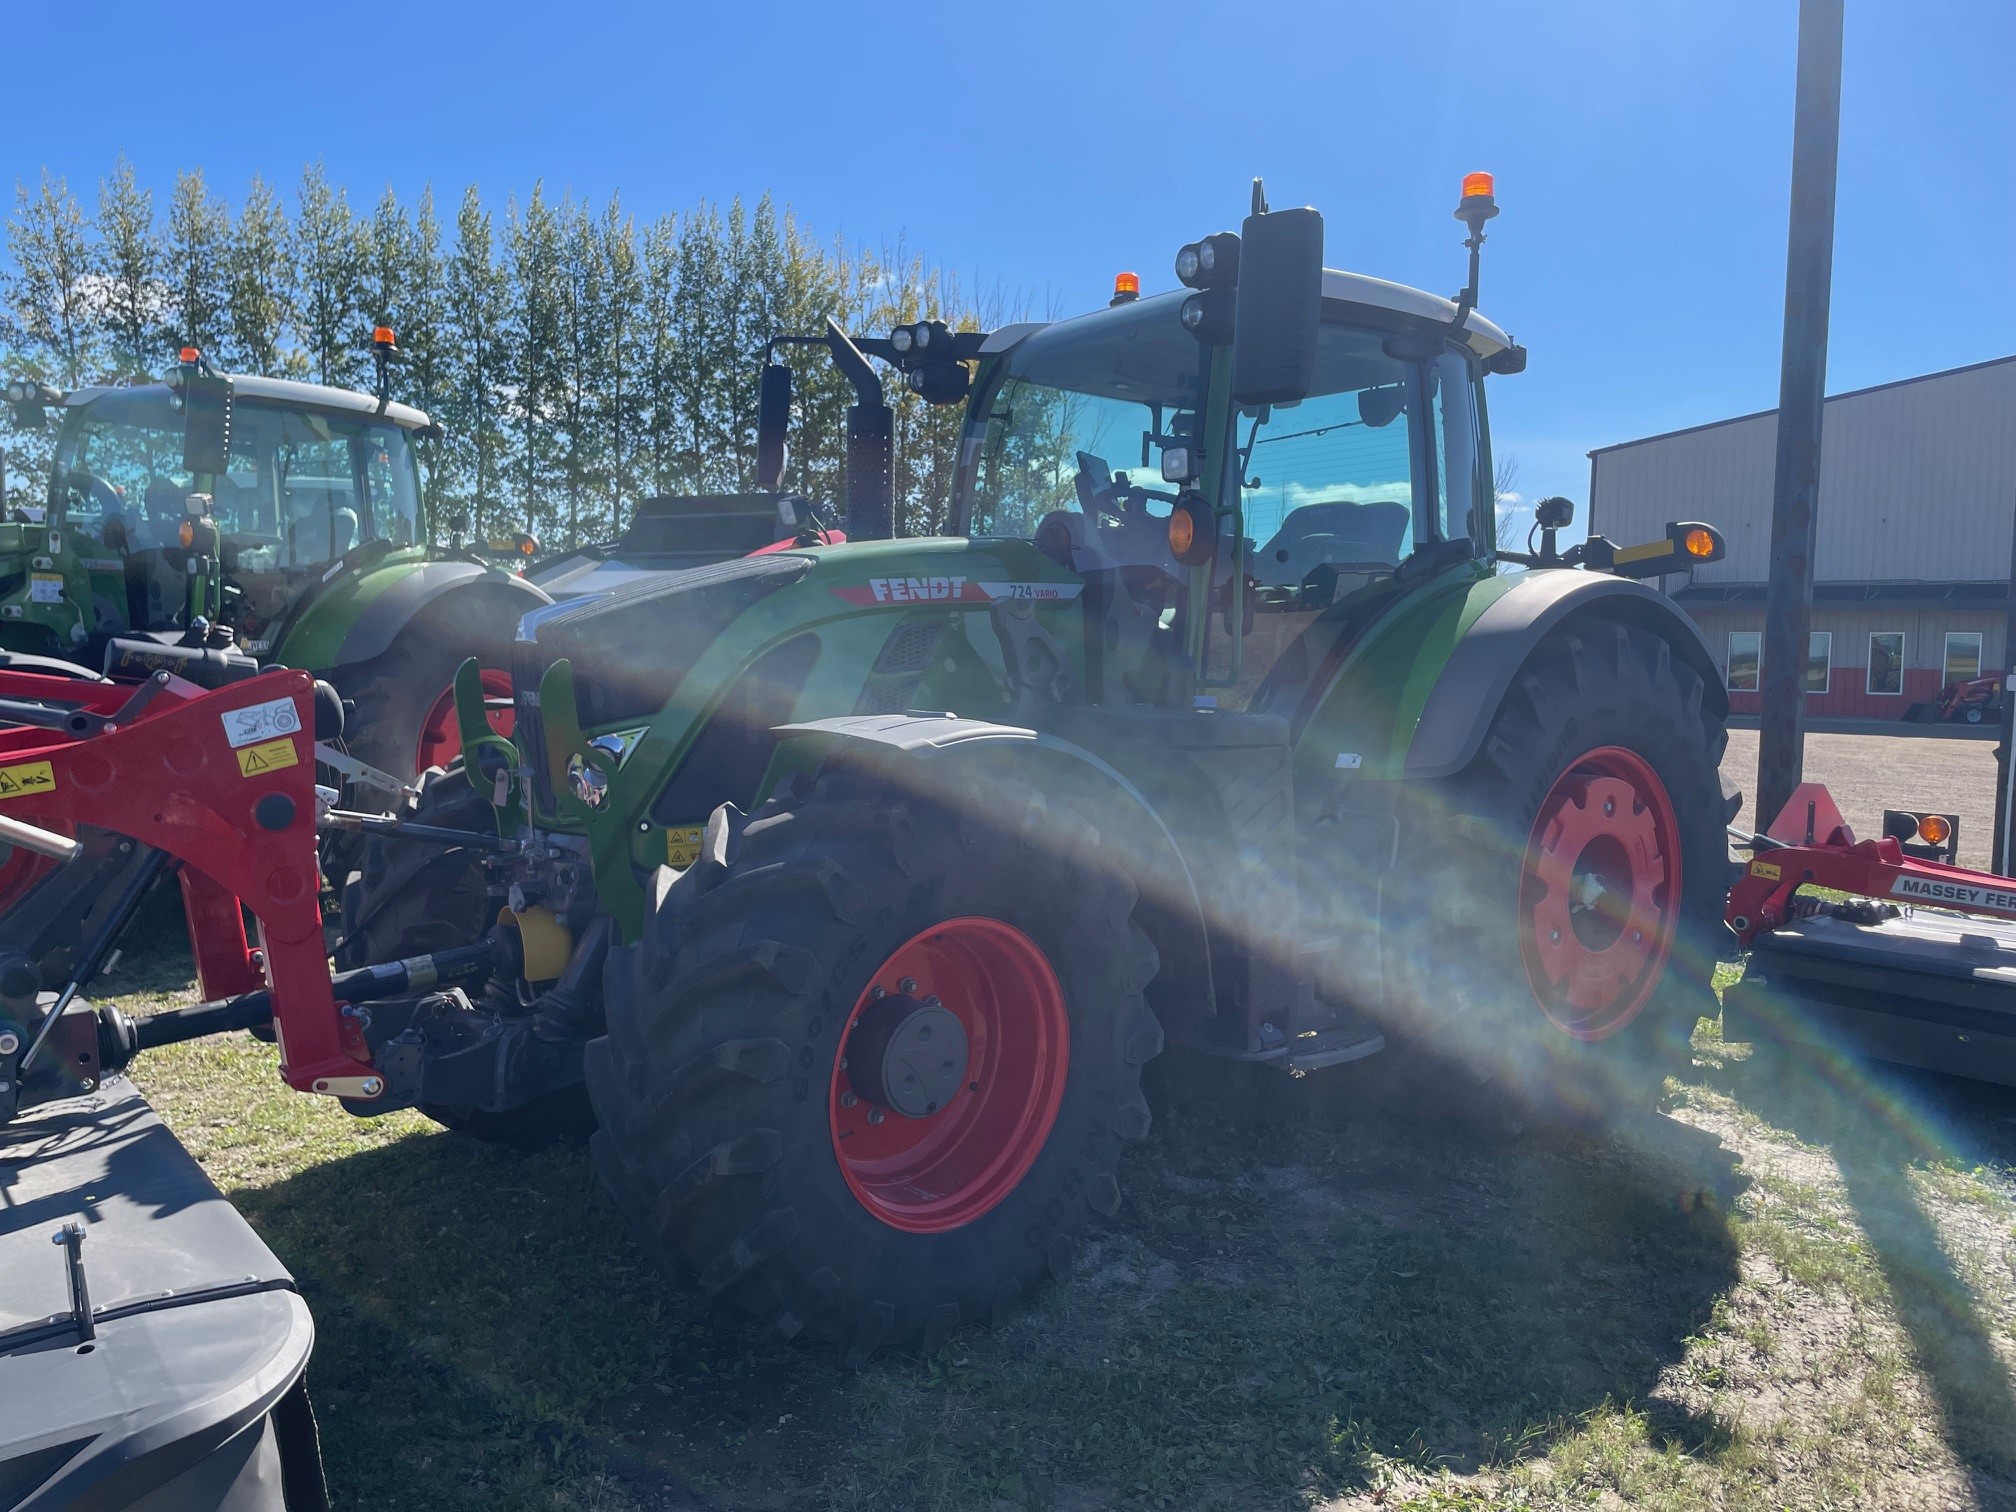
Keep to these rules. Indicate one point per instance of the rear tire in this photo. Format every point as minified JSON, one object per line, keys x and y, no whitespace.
{"x":392,"y":696}
{"x":1570,"y":911}
{"x":721,"y":1092}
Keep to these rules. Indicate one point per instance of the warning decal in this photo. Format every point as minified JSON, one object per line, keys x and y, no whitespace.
{"x":682,"y":845}
{"x":257,"y":761}
{"x":1768,"y":870}
{"x":46,"y":588}
{"x":30,"y":777}
{"x":261,"y":721}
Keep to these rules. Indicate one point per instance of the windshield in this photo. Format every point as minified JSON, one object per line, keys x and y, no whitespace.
{"x":303,"y":487}
{"x":1079,"y":419}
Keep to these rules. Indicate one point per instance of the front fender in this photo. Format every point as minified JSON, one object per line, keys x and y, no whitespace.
{"x":940,"y":756}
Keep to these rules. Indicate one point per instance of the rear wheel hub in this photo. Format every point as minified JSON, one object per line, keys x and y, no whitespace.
{"x":1599,"y":895}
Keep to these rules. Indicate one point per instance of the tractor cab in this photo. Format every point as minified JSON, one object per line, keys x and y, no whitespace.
{"x":1087,"y":436}
{"x":309,"y":475}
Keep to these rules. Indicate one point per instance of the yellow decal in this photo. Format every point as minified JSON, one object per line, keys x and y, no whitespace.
{"x":1643,"y":553}
{"x":682,"y":845}
{"x":256,"y":761}
{"x":1768,"y":870}
{"x":31,"y":777}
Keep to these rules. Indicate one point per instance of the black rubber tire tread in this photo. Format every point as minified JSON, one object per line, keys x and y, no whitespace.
{"x":392,"y":694}
{"x":411,"y":897}
{"x":717,"y":1147}
{"x":1456,"y":983}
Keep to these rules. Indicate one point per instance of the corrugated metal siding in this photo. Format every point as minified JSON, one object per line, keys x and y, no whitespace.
{"x":1917,"y":484}
{"x":1847,"y":694}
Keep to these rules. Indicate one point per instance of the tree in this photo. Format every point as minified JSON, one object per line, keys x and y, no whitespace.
{"x":49,"y":292}
{"x":622,"y":411}
{"x":132,"y":300}
{"x":196,"y":266}
{"x":474,"y":367}
{"x":329,"y":261}
{"x":533,"y":373}
{"x":659,"y":355}
{"x":259,"y":279}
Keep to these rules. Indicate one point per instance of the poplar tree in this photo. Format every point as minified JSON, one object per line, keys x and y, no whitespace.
{"x":49,"y":291}
{"x":623,"y":414}
{"x":474,"y":366}
{"x":131,"y":300}
{"x":659,"y":356}
{"x":196,"y":266}
{"x":533,"y":372}
{"x":259,"y":281}
{"x":329,"y":262}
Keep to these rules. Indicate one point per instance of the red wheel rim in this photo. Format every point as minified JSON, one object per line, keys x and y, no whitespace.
{"x":441,"y":732}
{"x":1599,"y":896}
{"x":928,"y":1174}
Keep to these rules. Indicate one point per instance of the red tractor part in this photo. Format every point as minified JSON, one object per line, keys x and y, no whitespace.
{"x":224,"y":783}
{"x":1918,"y":967}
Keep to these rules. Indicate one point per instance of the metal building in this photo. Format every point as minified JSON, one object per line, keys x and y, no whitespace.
{"x":1917,"y":500}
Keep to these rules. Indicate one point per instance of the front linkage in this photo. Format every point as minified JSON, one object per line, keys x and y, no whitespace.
{"x":218,"y":788}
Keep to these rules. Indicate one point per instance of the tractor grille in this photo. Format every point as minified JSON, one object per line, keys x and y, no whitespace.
{"x":901,"y":664}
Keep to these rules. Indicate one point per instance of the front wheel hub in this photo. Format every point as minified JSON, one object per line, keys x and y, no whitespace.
{"x":907,"y":1056}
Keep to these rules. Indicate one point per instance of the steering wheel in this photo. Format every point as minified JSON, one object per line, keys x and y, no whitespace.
{"x":1100,"y":492}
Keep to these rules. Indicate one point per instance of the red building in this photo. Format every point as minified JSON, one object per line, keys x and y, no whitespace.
{"x":1912,"y":568}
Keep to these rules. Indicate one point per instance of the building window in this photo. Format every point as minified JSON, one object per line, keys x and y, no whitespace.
{"x":1963,"y":656}
{"x":1886,"y":661}
{"x":1819,"y":660}
{"x":1744,"y":651}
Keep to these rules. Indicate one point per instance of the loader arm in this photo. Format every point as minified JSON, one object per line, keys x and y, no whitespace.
{"x":223,"y":783}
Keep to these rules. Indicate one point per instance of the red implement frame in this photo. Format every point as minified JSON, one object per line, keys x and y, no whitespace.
{"x":1823,"y":852}
{"x":224,"y":782}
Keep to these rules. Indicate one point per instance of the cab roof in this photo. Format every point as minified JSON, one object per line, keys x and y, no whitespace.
{"x":285,"y":391}
{"x":1485,"y":337}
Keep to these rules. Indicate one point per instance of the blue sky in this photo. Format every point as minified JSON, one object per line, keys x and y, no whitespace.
{"x":1642,"y":151}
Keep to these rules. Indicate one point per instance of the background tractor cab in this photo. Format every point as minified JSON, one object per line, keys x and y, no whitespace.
{"x":289,"y":512}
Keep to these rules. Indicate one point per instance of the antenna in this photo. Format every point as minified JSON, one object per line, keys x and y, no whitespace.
{"x":1259,"y":197}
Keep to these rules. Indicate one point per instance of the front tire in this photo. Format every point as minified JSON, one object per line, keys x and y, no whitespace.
{"x":756,"y":1123}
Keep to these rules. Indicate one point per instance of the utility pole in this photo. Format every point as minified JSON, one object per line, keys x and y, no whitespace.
{"x":1802,"y":385}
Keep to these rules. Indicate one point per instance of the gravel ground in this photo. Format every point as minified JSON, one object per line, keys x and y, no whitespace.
{"x":1869,"y":773}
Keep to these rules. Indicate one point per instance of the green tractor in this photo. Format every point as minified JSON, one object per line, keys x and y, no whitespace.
{"x":858,"y":883}
{"x":288,"y":512}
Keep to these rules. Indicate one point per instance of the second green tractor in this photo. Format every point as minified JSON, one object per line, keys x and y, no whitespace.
{"x":857,"y":884}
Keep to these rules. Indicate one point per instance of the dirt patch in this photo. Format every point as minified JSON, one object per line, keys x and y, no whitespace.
{"x":1869,"y":773}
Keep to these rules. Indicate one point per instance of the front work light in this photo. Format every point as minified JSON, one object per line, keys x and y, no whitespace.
{"x":1211,"y":263}
{"x":901,"y":339}
{"x":1207,"y":315}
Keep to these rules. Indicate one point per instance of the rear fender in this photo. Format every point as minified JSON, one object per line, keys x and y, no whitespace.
{"x":376,"y":616}
{"x":1497,"y":643}
{"x":946,"y":759}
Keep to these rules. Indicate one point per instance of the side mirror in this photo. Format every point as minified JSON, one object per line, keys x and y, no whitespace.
{"x":206,"y":423}
{"x":1380,"y":407}
{"x":773,"y":425}
{"x":1280,"y":307}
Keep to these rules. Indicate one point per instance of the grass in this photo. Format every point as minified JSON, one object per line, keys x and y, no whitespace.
{"x":1300,"y":1303}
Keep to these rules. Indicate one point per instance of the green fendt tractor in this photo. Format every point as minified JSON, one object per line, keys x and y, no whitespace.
{"x":858,"y":883}
{"x":289,"y":513}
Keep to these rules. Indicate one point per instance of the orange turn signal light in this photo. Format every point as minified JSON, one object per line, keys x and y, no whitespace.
{"x":1182,"y":533}
{"x":189,"y":355}
{"x":187,"y":534}
{"x":382,"y":336}
{"x":526,"y":546}
{"x":1699,"y":543}
{"x":1477,"y":186}
{"x":1934,"y":829}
